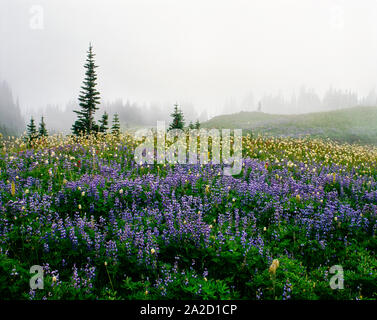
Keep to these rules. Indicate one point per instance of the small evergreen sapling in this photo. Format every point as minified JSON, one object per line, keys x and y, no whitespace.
{"x":104,"y":122}
{"x":178,"y":119}
{"x":42,"y":128}
{"x":115,"y":129}
{"x":31,"y":130}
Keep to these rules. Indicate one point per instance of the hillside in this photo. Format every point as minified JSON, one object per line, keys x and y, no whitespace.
{"x":353,"y":125}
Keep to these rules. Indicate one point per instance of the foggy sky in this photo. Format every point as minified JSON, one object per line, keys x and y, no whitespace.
{"x":202,"y":51}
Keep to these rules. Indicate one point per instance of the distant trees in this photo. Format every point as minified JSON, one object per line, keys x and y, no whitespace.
{"x":11,"y":120}
{"x":89,"y":99}
{"x":178,"y":119}
{"x":337,"y":99}
{"x":308,"y":100}
{"x":370,"y":99}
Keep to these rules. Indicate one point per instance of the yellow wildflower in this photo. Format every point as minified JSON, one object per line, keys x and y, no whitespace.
{"x":13,"y":188}
{"x":273,"y":267}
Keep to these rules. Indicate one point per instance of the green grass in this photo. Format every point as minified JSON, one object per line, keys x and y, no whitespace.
{"x":353,"y":125}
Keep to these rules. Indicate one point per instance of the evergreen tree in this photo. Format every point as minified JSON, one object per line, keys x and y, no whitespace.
{"x":42,"y":128}
{"x":191,"y":126}
{"x":115,"y":129}
{"x":197,"y":124}
{"x":31,"y":130}
{"x":89,"y":99}
{"x":178,"y":119}
{"x":104,"y":123}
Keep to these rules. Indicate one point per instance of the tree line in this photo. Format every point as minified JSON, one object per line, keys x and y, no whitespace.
{"x":89,"y":99}
{"x":11,"y":120}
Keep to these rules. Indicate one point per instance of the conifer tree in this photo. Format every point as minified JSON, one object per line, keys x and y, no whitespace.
{"x":178,"y":119}
{"x":104,"y":123}
{"x":197,"y":124}
{"x":115,"y":129}
{"x":42,"y":128}
{"x":89,"y":99}
{"x":31,"y":130}
{"x":191,"y":126}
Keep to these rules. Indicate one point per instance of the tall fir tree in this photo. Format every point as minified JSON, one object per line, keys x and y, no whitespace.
{"x":89,"y":99}
{"x":178,"y":119}
{"x":197,"y":124}
{"x":115,"y":129}
{"x":191,"y":126}
{"x":104,"y":122}
{"x":31,"y":130}
{"x":42,"y":131}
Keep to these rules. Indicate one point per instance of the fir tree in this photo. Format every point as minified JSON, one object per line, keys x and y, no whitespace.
{"x":89,"y":99}
{"x":115,"y":129}
{"x":104,"y":123}
{"x":178,"y":119}
{"x":197,"y":124}
{"x":191,"y":126}
{"x":31,"y":130}
{"x":42,"y":128}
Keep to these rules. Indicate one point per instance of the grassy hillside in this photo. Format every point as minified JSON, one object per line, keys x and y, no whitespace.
{"x":354,"y":125}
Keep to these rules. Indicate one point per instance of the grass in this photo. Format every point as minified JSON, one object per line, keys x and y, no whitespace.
{"x":352,"y":125}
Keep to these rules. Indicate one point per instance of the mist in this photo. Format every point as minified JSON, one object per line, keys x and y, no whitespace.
{"x":214,"y":56}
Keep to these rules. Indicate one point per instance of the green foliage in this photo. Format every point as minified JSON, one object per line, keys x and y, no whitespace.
{"x":178,"y":119}
{"x":42,"y":128}
{"x":32,"y":130}
{"x":89,"y":99}
{"x":104,"y":123}
{"x":14,"y":278}
{"x":115,"y":129}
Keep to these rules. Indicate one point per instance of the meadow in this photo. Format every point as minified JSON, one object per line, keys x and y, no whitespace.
{"x":105,"y":227}
{"x":350,"y":125}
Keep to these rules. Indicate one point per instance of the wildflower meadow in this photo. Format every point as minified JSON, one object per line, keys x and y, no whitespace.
{"x":103,"y":226}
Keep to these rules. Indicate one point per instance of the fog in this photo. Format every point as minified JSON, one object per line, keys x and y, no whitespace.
{"x":218,"y":56}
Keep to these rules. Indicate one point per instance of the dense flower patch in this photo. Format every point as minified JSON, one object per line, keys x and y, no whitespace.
{"x":105,"y":227}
